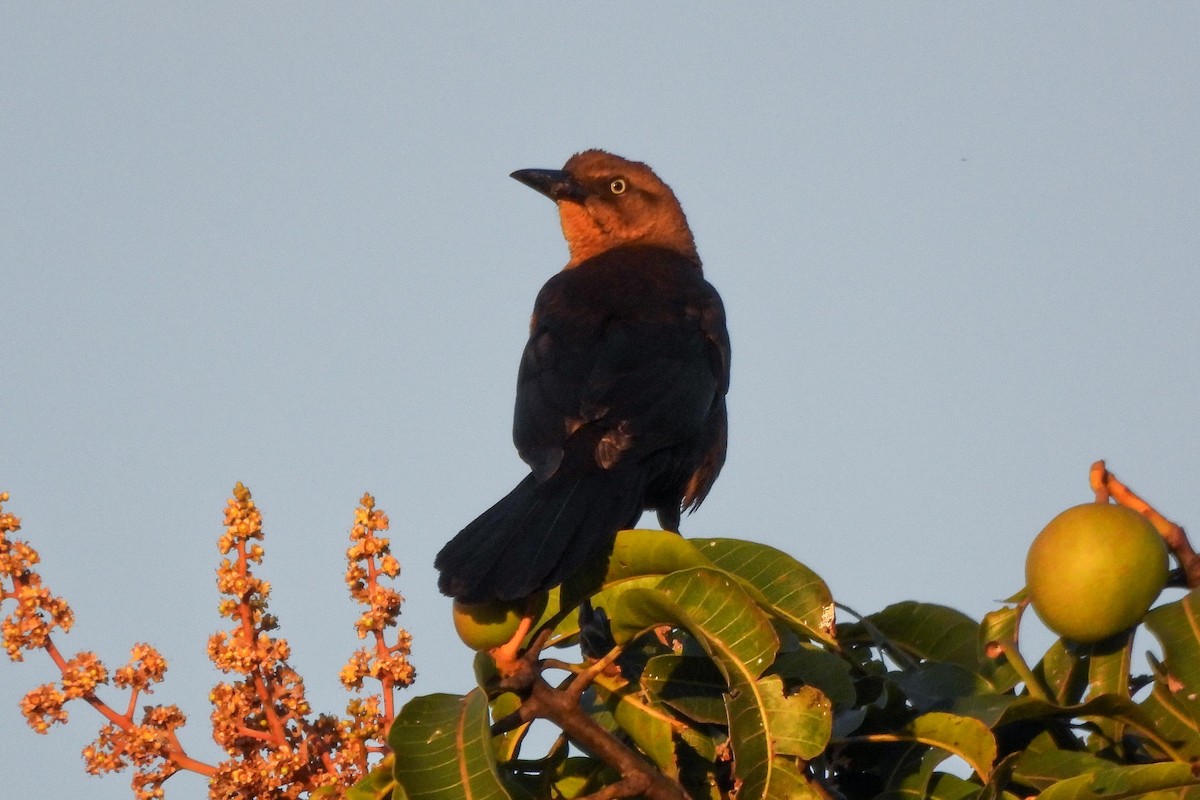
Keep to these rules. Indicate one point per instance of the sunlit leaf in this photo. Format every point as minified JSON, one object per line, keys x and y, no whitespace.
{"x":800,"y":722}
{"x":740,"y":640}
{"x":1042,"y":769}
{"x":1064,"y":673}
{"x":792,"y":591}
{"x":378,"y":784}
{"x":967,"y":738}
{"x":788,"y":783}
{"x":1174,"y":705}
{"x":1108,"y":673}
{"x":648,"y":724}
{"x":1115,"y":783}
{"x":635,"y":553}
{"x":1001,"y":624}
{"x":714,"y":607}
{"x":577,"y":776}
{"x":443,"y":749}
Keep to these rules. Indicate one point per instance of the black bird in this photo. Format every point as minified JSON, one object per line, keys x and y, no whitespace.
{"x":621,"y":389}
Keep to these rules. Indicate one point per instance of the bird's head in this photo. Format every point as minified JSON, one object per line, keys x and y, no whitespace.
{"x":605,"y":201}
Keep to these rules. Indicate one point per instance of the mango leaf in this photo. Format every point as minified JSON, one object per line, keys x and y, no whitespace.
{"x":507,"y":745}
{"x":1115,"y":783}
{"x":378,"y":784}
{"x":650,"y":725}
{"x":1041,"y":769}
{"x":651,"y":552}
{"x":1001,"y":624}
{"x":967,"y":738}
{"x":941,"y":786}
{"x":1174,"y":720}
{"x":635,"y":553}
{"x":788,"y":783}
{"x":820,"y":668}
{"x":714,"y":608}
{"x":792,"y":591}
{"x":927,"y":632}
{"x":1063,"y":672}
{"x":800,"y":723}
{"x":1109,"y":705}
{"x":1174,"y":705}
{"x":638,"y":557}
{"x":740,"y":640}
{"x":937,"y":685}
{"x":577,"y":776}
{"x":689,"y":684}
{"x":1108,"y":673}
{"x":443,"y":749}
{"x":1001,"y":777}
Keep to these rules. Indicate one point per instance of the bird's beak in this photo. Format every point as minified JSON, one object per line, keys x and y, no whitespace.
{"x":554,"y":183}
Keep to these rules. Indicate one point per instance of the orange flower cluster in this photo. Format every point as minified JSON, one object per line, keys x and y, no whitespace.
{"x":263,"y":721}
{"x":370,"y":558}
{"x":149,"y":746}
{"x":38,"y":612}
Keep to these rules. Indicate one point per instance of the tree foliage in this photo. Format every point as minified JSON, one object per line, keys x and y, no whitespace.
{"x":730,"y":677}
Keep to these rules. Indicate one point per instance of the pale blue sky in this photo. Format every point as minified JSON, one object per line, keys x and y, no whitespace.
{"x":957,"y":244}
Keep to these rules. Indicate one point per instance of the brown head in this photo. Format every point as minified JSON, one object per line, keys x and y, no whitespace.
{"x":605,"y":201}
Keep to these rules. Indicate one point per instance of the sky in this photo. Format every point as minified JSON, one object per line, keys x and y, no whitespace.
{"x":957,"y":245}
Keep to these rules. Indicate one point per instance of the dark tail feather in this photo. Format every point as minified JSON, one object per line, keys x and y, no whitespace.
{"x":539,"y":535}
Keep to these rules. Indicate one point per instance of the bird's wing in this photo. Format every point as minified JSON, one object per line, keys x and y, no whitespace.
{"x":644,"y":362}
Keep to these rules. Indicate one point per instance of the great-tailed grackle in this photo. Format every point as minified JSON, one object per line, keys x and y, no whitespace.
{"x":621,"y":389}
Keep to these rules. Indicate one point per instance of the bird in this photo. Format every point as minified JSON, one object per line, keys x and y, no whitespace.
{"x":621,"y":389}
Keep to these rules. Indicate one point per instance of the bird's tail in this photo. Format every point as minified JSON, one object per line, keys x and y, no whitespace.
{"x":540,"y":534}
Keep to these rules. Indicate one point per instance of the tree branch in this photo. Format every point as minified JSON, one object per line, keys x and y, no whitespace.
{"x":1106,"y":485}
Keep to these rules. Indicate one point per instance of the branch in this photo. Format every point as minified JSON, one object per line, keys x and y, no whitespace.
{"x":1106,"y":486}
{"x":523,"y":675}
{"x":638,"y":776}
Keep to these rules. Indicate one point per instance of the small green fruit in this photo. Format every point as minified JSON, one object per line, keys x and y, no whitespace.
{"x":1095,"y":570}
{"x":483,"y":626}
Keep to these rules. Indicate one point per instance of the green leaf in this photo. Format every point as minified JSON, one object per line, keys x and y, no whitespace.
{"x":606,"y":598}
{"x":443,"y":749}
{"x":714,"y":608}
{"x":689,"y":684}
{"x":1115,"y":783}
{"x":651,"y":552}
{"x":740,"y":640}
{"x":941,"y":786}
{"x":1174,"y":705}
{"x":1042,"y":769}
{"x":650,"y":725}
{"x":800,"y":723}
{"x":577,"y":776}
{"x":788,"y":783}
{"x":967,"y":738}
{"x":930,"y":632}
{"x":636,"y":553}
{"x":507,"y":745}
{"x":378,"y":784}
{"x":1001,"y":624}
{"x":820,"y":668}
{"x":937,"y":685}
{"x":792,"y":591}
{"x":1108,"y":673}
{"x":1063,"y":673}
{"x":1110,"y":705}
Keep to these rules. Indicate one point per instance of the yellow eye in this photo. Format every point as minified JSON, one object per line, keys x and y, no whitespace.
{"x":617,"y":186}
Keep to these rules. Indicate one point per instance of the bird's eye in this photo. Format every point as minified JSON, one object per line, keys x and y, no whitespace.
{"x":617,"y":186}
